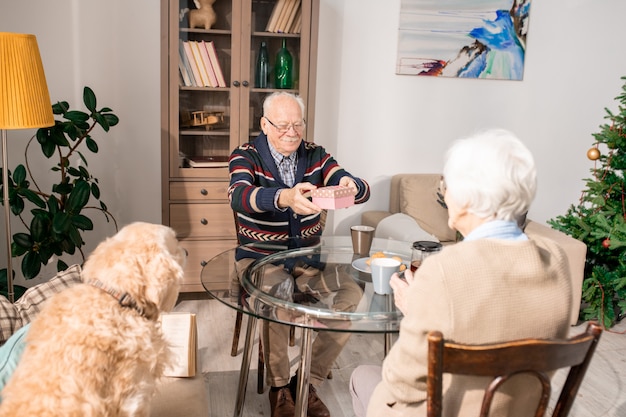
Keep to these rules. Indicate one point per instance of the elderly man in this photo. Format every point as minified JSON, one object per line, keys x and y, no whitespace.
{"x":270,"y":179}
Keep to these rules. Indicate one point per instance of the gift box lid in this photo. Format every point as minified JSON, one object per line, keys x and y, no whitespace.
{"x":333,"y":191}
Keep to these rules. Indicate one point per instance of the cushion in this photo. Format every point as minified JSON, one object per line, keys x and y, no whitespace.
{"x":402,"y":227}
{"x":418,"y":199}
{"x":14,"y":316}
{"x":10,"y":354}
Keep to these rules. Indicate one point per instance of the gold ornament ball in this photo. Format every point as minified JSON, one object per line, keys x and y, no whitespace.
{"x":593,"y":154}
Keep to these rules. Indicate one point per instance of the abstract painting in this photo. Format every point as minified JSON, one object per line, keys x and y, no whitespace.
{"x":463,"y":38}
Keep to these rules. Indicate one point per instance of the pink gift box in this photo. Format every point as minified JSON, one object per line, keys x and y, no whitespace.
{"x":333,"y":197}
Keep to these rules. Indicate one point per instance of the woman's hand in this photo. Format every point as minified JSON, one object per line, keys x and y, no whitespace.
{"x":400,"y":287}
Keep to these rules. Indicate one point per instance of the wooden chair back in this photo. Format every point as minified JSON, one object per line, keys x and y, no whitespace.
{"x":501,"y":361}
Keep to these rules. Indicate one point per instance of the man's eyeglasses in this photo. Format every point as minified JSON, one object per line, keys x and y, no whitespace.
{"x":284,"y":128}
{"x":441,"y":191}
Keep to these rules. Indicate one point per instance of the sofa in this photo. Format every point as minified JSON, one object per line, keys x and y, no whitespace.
{"x":175,"y":397}
{"x":415,"y":214}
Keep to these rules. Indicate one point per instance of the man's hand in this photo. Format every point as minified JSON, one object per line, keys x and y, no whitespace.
{"x":295,"y":199}
{"x":348,"y":182}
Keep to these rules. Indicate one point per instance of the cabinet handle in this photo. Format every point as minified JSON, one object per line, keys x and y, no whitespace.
{"x":236,"y":83}
{"x":203,"y":263}
{"x":245,"y":83}
{"x":204,"y":222}
{"x":203,"y":192}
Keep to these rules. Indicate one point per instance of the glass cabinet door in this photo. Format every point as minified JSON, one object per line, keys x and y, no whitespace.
{"x":211,"y":114}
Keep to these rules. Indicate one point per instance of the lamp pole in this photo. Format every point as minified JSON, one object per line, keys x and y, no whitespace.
{"x":7,"y":216}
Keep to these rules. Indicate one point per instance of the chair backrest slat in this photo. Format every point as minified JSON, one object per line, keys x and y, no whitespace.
{"x":500,"y":361}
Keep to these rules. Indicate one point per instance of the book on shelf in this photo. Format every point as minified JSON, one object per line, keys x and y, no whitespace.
{"x":208,"y":161}
{"x":192,"y":64}
{"x":284,"y":15}
{"x":207,"y":63}
{"x":271,"y":23}
{"x":181,"y":334}
{"x":195,"y":49}
{"x":296,"y":27}
{"x":183,"y":59}
{"x":292,"y":16}
{"x":184,"y":76}
{"x":215,"y":63}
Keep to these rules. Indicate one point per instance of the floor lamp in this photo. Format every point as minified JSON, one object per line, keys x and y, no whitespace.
{"x":24,"y":104}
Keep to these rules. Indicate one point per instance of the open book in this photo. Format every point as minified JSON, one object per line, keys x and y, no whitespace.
{"x":180,"y":332}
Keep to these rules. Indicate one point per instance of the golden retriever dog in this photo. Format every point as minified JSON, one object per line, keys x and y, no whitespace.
{"x":96,"y":349}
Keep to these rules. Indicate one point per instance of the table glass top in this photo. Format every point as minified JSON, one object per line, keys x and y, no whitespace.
{"x":319,"y":284}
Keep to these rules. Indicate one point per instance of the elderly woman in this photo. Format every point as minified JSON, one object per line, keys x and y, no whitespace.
{"x":496,"y":285}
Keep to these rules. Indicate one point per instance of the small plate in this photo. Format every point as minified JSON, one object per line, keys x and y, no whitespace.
{"x":361,"y":264}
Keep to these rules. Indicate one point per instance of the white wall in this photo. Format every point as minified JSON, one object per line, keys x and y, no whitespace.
{"x":376,"y":123}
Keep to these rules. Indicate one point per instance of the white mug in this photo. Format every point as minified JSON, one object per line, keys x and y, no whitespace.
{"x":382,"y":270}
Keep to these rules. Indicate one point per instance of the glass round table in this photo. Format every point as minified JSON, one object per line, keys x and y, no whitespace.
{"x":316,"y":284}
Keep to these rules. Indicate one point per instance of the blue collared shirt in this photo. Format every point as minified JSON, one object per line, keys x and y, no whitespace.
{"x":497,"y":229}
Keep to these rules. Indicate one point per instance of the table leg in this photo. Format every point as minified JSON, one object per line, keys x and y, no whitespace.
{"x":388,"y":335}
{"x":245,"y":366}
{"x":302,"y":392}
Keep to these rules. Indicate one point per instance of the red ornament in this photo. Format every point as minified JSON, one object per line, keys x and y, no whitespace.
{"x":606,"y":243}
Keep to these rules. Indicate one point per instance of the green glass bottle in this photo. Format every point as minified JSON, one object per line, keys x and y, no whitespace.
{"x":283,"y":70}
{"x":262,"y":67}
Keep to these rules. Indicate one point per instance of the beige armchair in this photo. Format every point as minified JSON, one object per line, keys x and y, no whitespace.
{"x":415,"y":195}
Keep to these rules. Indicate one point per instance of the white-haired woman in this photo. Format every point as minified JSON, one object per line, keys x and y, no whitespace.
{"x":496,"y":285}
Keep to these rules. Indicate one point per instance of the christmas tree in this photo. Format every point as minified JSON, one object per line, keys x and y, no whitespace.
{"x":599,"y":220}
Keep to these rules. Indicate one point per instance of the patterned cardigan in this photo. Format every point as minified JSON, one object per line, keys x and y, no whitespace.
{"x":255,"y":180}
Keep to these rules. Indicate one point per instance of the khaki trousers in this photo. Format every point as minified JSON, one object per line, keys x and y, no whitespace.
{"x":334,"y":284}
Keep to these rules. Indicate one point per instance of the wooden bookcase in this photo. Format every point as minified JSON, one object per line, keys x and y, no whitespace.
{"x":194,"y":200}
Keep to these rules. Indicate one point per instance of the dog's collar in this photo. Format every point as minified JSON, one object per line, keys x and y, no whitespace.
{"x":123,"y":298}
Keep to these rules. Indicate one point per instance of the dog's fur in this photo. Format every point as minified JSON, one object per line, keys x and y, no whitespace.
{"x":86,"y":354}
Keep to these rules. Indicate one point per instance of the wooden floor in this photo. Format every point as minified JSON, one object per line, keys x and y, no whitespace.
{"x":603,"y":392}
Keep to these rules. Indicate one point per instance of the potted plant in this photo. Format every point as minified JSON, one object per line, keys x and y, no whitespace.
{"x":58,"y":218}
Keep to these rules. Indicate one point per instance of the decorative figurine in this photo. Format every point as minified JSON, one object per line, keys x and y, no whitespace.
{"x":204,"y":16}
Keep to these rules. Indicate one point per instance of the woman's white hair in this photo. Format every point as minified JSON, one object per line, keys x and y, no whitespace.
{"x":491,"y":174}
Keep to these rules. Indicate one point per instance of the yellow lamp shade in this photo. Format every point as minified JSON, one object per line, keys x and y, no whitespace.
{"x":24,"y":98}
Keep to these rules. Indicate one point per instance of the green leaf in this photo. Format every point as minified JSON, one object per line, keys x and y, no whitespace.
{"x":64,"y":188}
{"x":102,"y":121}
{"x":75,"y":237}
{"x":79,"y":196}
{"x":111,"y":119}
{"x":95,"y":190}
{"x":61,"y":266}
{"x":61,"y":223}
{"x":31,"y":265}
{"x":23,"y":240}
{"x":82,"y":222}
{"x":53,"y":205}
{"x":60,"y":107}
{"x":76,"y":116}
{"x":34,"y":198}
{"x":91,"y":144}
{"x":39,"y":228}
{"x":19,"y":175}
{"x":89,"y":98}
{"x":73,"y":172}
{"x":82,"y":157}
{"x":17,"y":206}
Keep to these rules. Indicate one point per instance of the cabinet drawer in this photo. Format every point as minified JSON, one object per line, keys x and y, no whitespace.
{"x":207,"y":191}
{"x":202,"y":221}
{"x":200,"y":252}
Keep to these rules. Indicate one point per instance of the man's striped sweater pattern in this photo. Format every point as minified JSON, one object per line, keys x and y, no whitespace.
{"x":255,"y":180}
